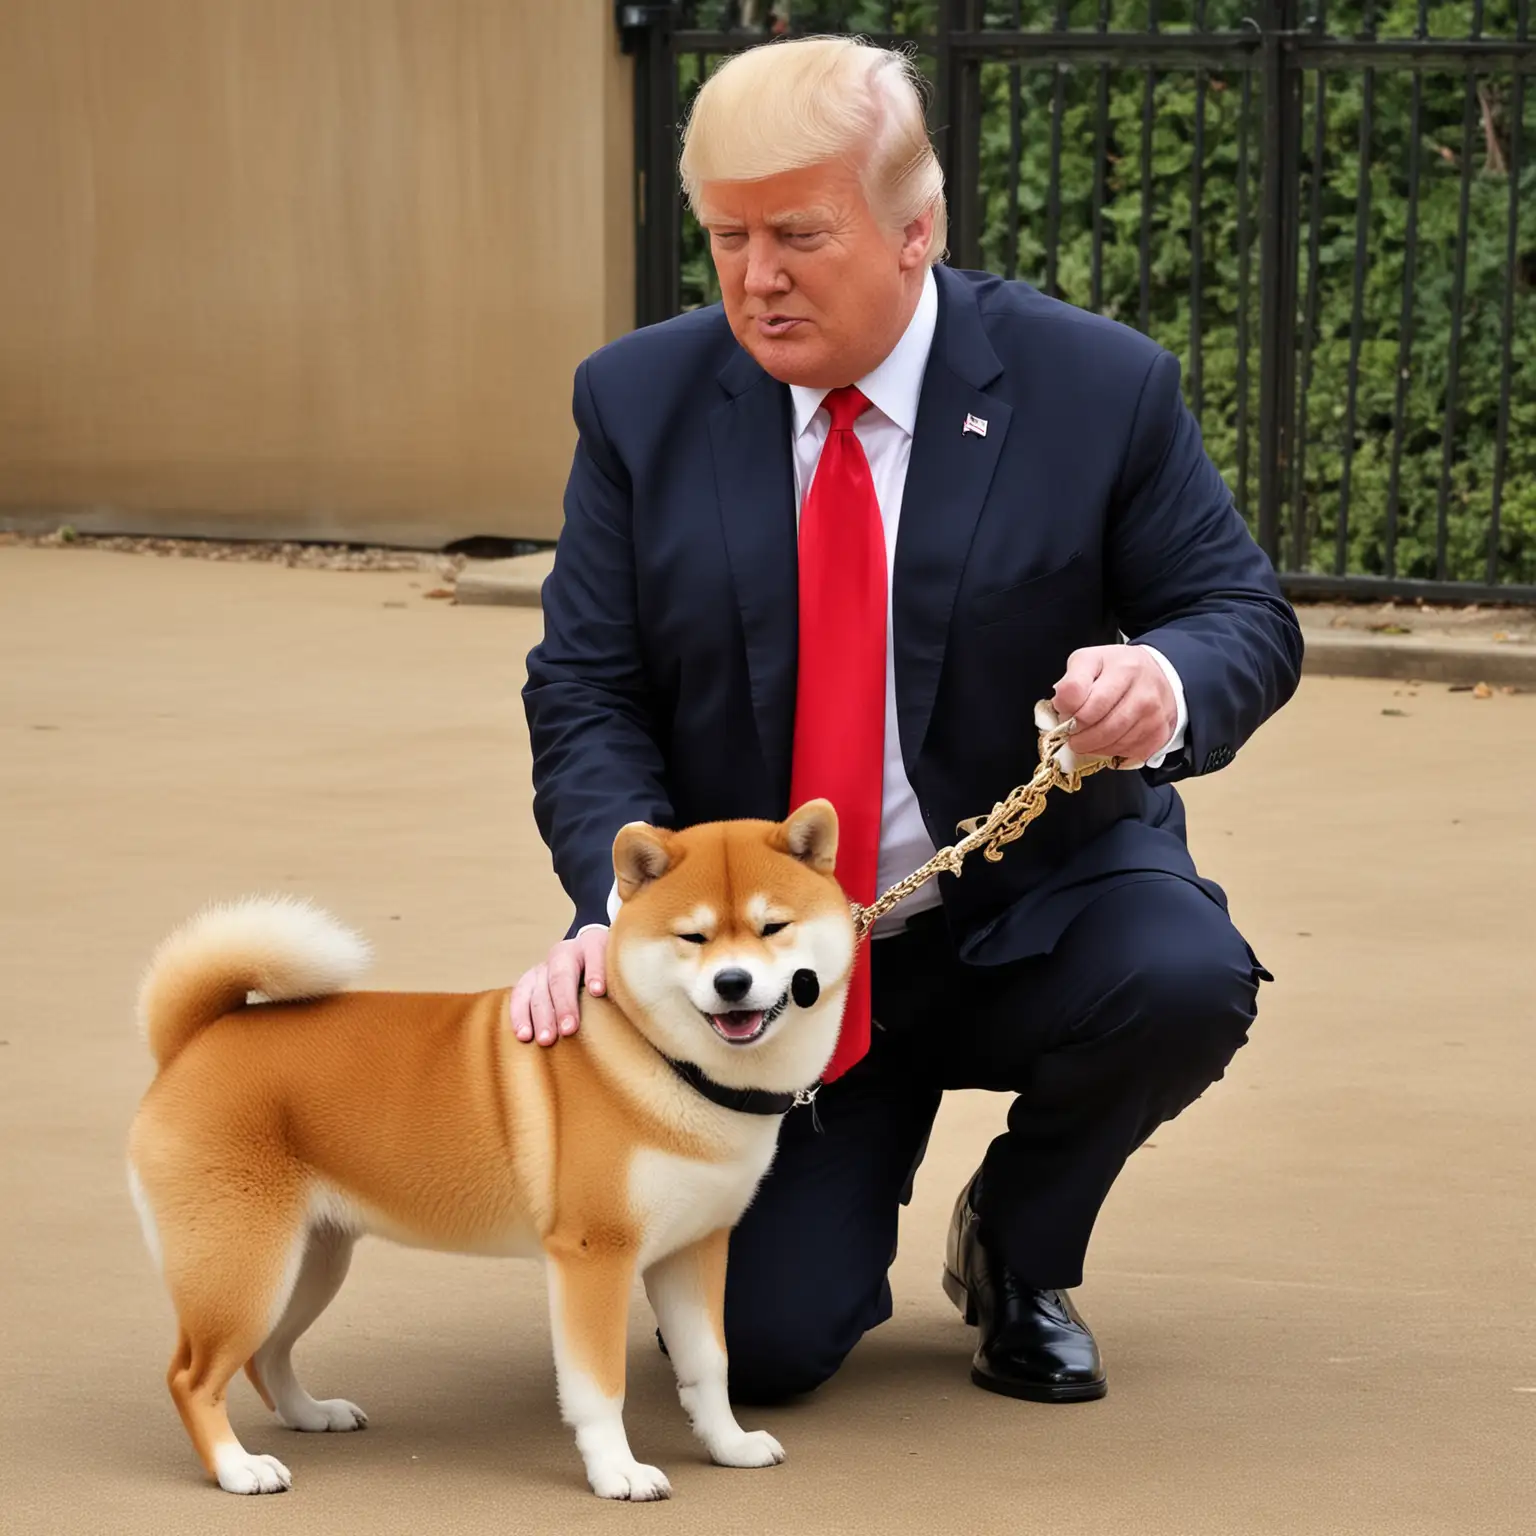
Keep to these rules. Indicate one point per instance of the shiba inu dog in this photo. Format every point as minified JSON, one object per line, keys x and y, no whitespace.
{"x":291,"y":1116}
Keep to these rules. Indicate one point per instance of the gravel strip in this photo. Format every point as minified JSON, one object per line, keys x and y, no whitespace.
{"x":324,"y":557}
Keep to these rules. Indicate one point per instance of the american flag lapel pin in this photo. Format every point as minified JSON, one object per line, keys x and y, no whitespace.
{"x":976,"y":424}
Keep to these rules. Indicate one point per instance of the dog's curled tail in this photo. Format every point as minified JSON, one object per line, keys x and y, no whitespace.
{"x":278,"y":947}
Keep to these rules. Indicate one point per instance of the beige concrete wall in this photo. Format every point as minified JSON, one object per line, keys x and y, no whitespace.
{"x":305,"y":268}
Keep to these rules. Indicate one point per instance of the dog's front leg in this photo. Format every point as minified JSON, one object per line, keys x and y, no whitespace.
{"x":687,"y":1294}
{"x":589,"y":1312}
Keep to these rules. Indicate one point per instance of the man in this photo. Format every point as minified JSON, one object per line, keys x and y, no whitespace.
{"x":836,"y":536}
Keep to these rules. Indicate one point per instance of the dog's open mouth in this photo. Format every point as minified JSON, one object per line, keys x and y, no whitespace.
{"x":745,"y":1026}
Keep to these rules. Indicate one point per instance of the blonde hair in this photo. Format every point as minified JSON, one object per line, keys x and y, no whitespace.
{"x":782,"y":106}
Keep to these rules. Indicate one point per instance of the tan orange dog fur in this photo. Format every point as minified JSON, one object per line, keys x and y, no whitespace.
{"x":290,"y":1116}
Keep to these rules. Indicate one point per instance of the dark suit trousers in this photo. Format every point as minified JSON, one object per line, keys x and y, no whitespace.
{"x":1137,"y":1010}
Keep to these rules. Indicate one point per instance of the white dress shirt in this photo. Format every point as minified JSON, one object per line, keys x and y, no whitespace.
{"x":885,"y":433}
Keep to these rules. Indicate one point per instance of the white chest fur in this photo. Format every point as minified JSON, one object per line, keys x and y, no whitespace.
{"x":679,"y":1200}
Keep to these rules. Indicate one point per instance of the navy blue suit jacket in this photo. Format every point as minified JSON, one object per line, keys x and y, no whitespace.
{"x":664,"y":687}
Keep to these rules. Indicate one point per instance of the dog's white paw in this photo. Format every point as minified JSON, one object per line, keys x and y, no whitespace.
{"x":241,"y":1472}
{"x":335,"y":1414}
{"x":756,"y":1448}
{"x":632,"y":1480}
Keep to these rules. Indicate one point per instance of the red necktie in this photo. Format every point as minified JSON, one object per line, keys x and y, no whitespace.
{"x":839,"y":751}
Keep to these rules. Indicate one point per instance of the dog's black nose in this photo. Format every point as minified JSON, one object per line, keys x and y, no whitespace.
{"x":733,"y":984}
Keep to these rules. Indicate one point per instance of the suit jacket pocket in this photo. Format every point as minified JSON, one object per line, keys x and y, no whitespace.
{"x":1035,"y":594}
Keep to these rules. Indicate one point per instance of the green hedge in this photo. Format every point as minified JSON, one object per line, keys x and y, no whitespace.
{"x":1323,"y":375}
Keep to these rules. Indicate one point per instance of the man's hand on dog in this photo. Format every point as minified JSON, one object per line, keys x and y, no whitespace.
{"x":1122,"y":701}
{"x":546,"y":1001}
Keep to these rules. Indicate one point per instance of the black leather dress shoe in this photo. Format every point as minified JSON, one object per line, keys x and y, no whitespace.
{"x":1034,"y":1344}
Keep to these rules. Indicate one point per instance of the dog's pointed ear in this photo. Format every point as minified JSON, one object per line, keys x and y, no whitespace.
{"x":810,"y":835}
{"x":640,"y":855}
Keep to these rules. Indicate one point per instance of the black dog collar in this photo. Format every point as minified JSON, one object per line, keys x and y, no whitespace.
{"x":746,"y":1101}
{"x":805,"y":988}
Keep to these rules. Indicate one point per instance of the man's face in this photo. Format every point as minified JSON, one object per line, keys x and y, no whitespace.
{"x":815,"y":286}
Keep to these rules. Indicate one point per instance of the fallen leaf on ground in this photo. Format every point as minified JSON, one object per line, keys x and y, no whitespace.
{"x":1391,"y":629}
{"x":439,"y":592}
{"x":1482,"y":691}
{"x":1400,"y":713}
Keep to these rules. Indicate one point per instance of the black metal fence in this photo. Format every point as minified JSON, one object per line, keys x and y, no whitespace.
{"x":1328,"y":214}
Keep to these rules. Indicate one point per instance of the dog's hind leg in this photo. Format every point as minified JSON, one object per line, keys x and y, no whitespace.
{"x":321,"y":1271}
{"x":687,"y":1294}
{"x":230,"y":1270}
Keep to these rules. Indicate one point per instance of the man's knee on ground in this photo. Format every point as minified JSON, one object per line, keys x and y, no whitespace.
{"x":784,"y":1356}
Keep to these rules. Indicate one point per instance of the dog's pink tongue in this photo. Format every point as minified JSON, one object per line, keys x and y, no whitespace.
{"x":737,"y":1026}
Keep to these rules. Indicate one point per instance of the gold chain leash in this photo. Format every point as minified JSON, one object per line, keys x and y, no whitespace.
{"x":993,"y":832}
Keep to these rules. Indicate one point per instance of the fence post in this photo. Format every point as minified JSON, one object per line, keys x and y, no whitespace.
{"x":957,"y":109}
{"x":645,"y":31}
{"x":1278,"y":235}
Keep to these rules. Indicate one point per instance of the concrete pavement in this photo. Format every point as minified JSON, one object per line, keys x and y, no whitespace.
{"x":1314,"y":1290}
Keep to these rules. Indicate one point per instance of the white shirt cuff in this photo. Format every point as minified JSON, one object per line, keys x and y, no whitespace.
{"x":613,"y":911}
{"x":1176,"y":741}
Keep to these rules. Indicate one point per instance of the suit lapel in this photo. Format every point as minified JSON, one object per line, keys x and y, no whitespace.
{"x":948,"y":478}
{"x":750,"y":440}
